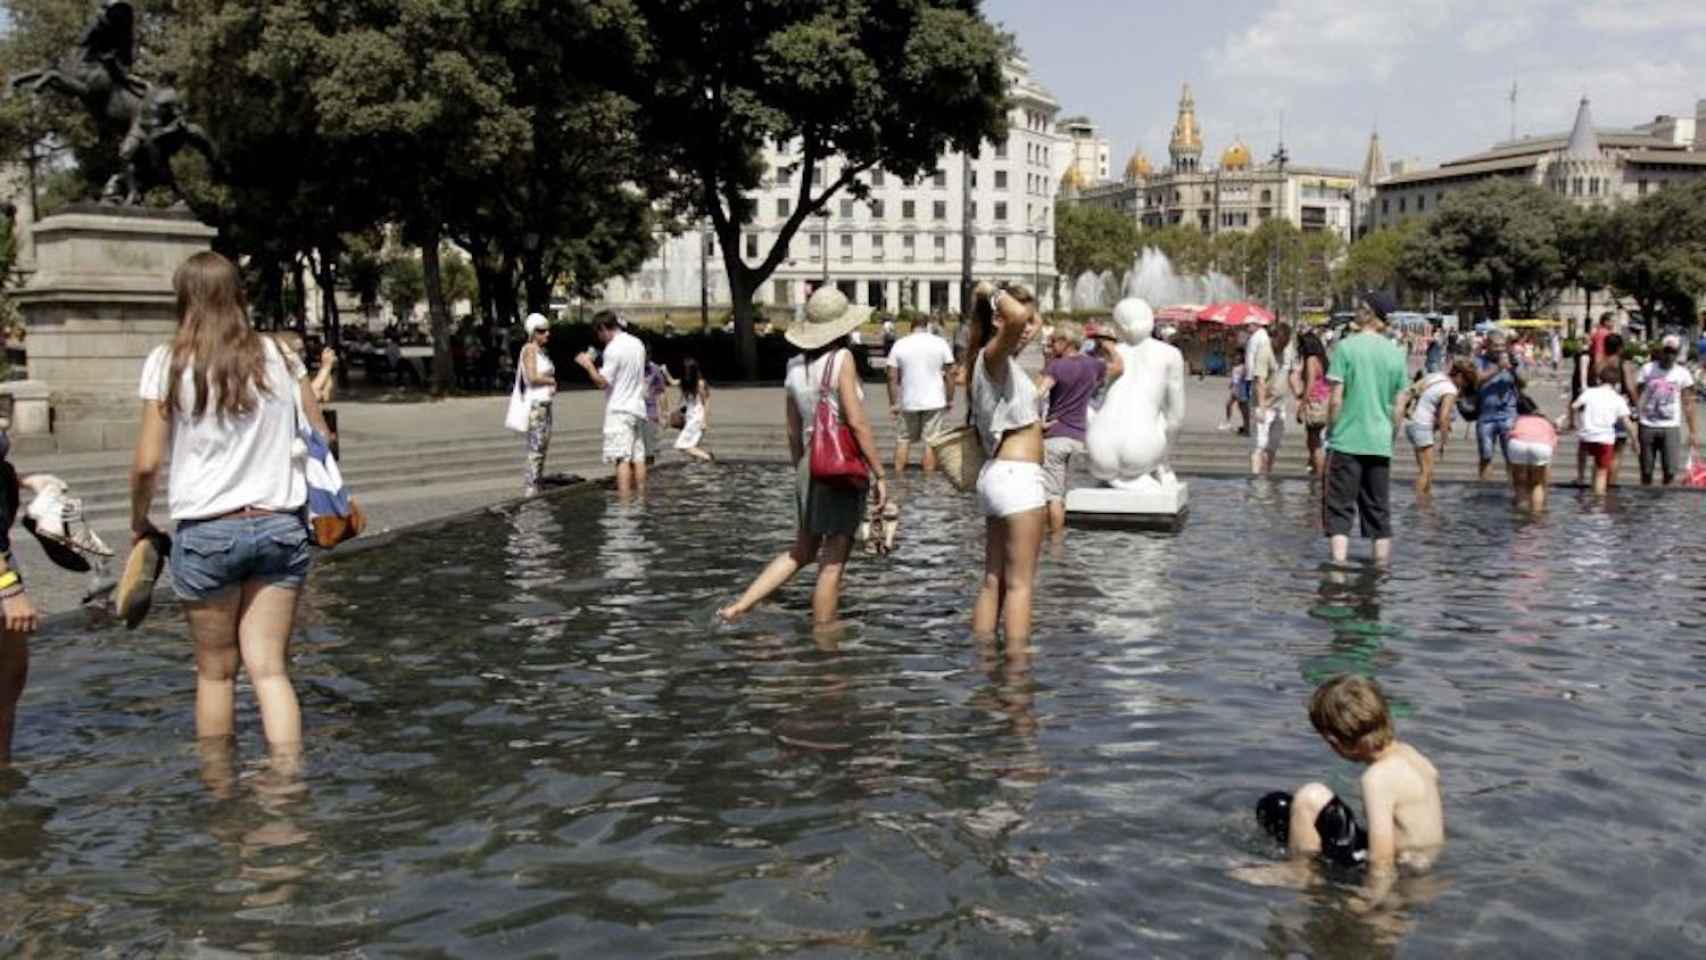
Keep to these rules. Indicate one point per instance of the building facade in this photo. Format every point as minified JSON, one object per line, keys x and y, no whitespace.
{"x":1236,"y":195}
{"x":901,"y":248}
{"x":1588,"y":165}
{"x":1089,"y":154}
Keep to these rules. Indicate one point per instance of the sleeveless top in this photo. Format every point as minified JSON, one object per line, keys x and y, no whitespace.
{"x":543,"y":367}
{"x":997,"y":410}
{"x":805,"y":382}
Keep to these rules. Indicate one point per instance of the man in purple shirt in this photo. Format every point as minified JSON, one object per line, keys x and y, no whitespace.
{"x":1069,"y":381}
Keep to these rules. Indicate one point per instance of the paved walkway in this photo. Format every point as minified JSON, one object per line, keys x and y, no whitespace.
{"x":441,"y":491}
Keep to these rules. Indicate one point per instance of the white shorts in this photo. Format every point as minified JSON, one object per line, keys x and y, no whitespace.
{"x":1421,"y":435}
{"x":1526,"y":453}
{"x":624,"y":438}
{"x":1057,"y":457}
{"x":1268,"y":431}
{"x":1007,"y":488}
{"x":917,"y":425}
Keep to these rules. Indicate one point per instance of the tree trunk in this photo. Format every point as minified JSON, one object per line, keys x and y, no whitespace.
{"x":509,"y":312}
{"x":437,"y":309}
{"x":301,"y":298}
{"x":486,"y":279}
{"x":534,"y":282}
{"x":1587,"y":307}
{"x":740,"y":293}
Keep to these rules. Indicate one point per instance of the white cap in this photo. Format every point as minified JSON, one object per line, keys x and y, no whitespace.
{"x":536,"y":323}
{"x":1671,"y":342}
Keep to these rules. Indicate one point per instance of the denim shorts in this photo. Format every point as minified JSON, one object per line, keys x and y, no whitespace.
{"x":210,"y":557}
{"x":1494,"y":435}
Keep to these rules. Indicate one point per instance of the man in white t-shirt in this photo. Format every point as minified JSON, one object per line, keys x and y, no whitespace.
{"x":1665,"y":398}
{"x":921,"y":369}
{"x":1267,"y":402}
{"x":623,"y":378}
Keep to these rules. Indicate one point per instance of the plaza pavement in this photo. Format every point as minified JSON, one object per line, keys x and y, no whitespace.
{"x":411,"y":460}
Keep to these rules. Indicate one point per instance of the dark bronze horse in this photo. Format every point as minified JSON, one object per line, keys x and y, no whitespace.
{"x":146,"y":118}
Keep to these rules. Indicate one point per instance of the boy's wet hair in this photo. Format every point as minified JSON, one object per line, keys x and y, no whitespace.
{"x":1351,"y":711}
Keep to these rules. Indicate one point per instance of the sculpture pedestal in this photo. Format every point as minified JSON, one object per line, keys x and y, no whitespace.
{"x":100,"y":300}
{"x":1152,"y":508}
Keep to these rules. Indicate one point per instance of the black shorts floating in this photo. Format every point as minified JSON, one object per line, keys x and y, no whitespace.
{"x":1344,"y":843}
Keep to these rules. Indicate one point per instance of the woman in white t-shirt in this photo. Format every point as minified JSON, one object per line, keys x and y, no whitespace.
{"x":1428,"y":427}
{"x":225,"y":399}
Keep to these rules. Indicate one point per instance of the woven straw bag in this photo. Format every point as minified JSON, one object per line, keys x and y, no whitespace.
{"x":960,"y":455}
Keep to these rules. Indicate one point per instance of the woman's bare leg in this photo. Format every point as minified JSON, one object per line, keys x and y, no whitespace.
{"x":1539,"y":479}
{"x":213,"y":627}
{"x":1024,"y":545}
{"x":263,"y":635}
{"x":14,"y":673}
{"x":831,"y":565}
{"x":987,"y":612}
{"x":771,"y":579}
{"x":1424,"y":469}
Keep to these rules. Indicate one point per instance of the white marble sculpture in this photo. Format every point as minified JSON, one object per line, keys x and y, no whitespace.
{"x":1141,"y":415}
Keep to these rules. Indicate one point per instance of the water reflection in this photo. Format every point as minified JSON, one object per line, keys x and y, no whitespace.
{"x":524,"y":739}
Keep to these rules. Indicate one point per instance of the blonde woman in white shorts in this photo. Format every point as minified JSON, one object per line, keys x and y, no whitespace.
{"x":1010,"y":489}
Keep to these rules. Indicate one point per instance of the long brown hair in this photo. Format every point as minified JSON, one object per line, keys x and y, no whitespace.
{"x":215,"y":340}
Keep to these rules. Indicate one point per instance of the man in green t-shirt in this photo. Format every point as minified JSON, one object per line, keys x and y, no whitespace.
{"x":1367,"y":373}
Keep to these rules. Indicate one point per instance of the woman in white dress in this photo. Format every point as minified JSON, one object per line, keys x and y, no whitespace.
{"x":696,"y":411}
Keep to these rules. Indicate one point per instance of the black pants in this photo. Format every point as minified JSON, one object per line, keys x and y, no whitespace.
{"x":1358,"y":487}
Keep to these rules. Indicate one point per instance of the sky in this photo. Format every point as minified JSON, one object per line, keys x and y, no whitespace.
{"x":1434,"y":76}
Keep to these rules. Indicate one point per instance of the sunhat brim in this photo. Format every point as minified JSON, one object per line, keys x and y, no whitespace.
{"x":810,"y":336}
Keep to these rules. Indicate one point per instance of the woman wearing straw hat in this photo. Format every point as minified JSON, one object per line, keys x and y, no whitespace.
{"x":828,"y":515}
{"x":1010,"y":488}
{"x":539,"y":389}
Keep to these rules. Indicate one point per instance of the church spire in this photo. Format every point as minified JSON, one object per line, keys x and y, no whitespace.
{"x":1374,"y":165}
{"x":1584,"y":142}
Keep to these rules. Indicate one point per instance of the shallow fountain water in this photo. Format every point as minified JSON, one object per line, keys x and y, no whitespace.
{"x":526,"y":739}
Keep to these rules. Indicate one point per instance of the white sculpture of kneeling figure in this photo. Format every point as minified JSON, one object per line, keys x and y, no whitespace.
{"x":1128,"y":438}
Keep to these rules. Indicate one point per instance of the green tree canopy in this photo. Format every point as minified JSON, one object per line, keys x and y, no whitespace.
{"x":1093,"y":239}
{"x":1657,"y":252}
{"x":1502,"y":237}
{"x":888,"y":84}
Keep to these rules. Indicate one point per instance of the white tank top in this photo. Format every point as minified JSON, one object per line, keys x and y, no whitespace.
{"x":543,"y":367}
{"x":805,"y":384}
{"x":997,"y":410}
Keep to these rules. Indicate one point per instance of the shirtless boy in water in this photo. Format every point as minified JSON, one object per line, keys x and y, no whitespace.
{"x":1400,"y":791}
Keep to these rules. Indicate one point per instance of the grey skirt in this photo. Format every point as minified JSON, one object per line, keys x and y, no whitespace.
{"x":824,"y":510}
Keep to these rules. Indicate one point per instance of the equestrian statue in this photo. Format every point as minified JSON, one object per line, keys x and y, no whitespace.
{"x":146,"y":118}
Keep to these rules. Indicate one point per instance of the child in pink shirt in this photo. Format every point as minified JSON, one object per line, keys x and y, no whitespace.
{"x":1532,"y":440}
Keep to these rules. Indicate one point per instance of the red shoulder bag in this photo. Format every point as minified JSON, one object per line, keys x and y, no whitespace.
{"x":836,"y":459}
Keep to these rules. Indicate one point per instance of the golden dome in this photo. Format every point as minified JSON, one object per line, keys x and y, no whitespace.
{"x":1236,"y":157}
{"x":1073,"y":179}
{"x":1138,"y":167}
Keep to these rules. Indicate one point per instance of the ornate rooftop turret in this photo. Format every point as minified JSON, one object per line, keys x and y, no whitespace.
{"x":1072,"y":181}
{"x":1186,"y":146}
{"x":1138,"y":167}
{"x":1236,"y":158}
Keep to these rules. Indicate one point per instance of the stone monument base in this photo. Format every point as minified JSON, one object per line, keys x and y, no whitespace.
{"x":100,"y":300}
{"x":1154,"y":507}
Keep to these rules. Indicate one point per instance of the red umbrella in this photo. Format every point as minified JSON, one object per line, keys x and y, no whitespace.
{"x":1180,"y":314}
{"x":1237,"y":314}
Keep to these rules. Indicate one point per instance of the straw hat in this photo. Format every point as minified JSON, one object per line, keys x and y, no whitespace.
{"x":829,"y":317}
